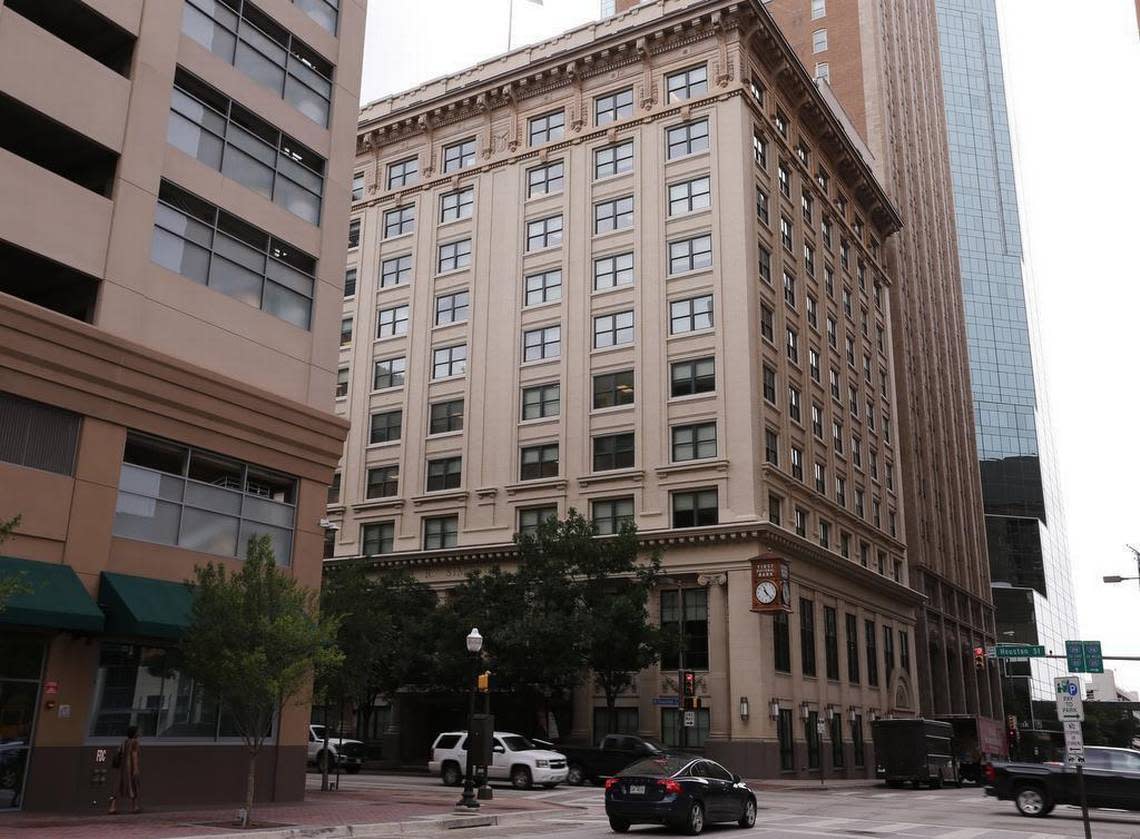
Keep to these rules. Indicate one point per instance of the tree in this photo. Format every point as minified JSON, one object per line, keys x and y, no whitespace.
{"x":254,"y":641}
{"x":12,"y":584}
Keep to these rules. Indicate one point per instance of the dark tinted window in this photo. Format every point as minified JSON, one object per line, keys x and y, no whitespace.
{"x":447,"y":741}
{"x":659,"y":766}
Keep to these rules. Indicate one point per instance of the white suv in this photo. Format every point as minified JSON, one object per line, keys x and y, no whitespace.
{"x":348,"y":753}
{"x":515,"y":758}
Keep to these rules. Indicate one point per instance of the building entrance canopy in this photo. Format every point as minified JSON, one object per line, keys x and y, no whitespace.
{"x":144,"y":607}
{"x":50,"y":595}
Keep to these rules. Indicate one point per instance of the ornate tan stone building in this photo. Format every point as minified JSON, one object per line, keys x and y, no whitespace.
{"x":637,"y":270}
{"x":176,"y":185}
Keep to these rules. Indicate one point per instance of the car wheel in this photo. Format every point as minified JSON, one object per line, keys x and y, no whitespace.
{"x":520,"y":778}
{"x":451,"y":775}
{"x":619,"y":825}
{"x":352,"y":770}
{"x":575,"y":775}
{"x":1032,"y":801}
{"x":748,"y":817}
{"x":695,"y":820}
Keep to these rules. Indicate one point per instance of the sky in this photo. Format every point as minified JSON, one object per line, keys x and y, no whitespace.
{"x":1072,"y":72}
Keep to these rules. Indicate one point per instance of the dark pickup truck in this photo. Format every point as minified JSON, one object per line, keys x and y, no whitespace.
{"x":613,"y":754}
{"x":1112,"y":779}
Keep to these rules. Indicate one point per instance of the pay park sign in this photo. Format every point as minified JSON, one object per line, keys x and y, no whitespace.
{"x":1069,"y":704}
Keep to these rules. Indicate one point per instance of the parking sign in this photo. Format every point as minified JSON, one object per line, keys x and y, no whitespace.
{"x":1069,"y":704}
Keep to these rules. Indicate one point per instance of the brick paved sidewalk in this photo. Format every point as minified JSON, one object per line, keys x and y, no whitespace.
{"x":319,"y":809}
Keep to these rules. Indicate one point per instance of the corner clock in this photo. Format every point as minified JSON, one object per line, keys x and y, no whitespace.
{"x":771,"y":586}
{"x":766,"y":592}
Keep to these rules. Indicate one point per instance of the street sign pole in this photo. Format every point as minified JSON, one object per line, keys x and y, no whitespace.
{"x":1071,"y":713}
{"x":1084,"y":798}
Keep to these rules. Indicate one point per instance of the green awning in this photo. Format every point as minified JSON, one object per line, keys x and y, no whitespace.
{"x":50,"y":595}
{"x":144,"y":607}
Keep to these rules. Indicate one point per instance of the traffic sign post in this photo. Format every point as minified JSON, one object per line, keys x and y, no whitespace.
{"x":1084,"y":656}
{"x":1071,"y":712}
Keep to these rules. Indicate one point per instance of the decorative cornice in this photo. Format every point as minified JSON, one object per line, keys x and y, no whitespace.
{"x":635,"y":475}
{"x":553,"y":485}
{"x":439,"y":498}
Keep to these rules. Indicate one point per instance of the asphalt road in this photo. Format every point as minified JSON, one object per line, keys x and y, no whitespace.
{"x":810,"y":814}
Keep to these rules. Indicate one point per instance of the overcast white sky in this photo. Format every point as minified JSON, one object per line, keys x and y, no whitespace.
{"x":1072,"y":75}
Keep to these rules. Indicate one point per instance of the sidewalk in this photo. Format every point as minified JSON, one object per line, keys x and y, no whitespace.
{"x":806,"y":785}
{"x":354,"y":812}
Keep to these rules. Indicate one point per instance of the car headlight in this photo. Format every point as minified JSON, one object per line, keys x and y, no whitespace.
{"x":542,"y":764}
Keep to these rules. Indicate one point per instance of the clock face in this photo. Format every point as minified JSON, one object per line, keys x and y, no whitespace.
{"x":766,"y":591}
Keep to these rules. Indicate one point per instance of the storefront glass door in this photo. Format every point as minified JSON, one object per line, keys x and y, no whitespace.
{"x":21,"y":662}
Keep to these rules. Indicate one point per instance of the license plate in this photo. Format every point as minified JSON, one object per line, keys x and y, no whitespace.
{"x":637,"y":789}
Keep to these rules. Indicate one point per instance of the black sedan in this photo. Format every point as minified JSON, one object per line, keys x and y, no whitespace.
{"x":682,"y":791}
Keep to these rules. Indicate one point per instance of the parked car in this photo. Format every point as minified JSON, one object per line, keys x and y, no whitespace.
{"x":914,"y":750}
{"x":614,"y":753}
{"x":1112,"y":779}
{"x":514,"y":759}
{"x":343,"y":752}
{"x":679,"y":790}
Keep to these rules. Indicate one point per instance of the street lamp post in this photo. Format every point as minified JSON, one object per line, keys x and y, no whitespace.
{"x":1114,"y":578}
{"x":474,"y":646}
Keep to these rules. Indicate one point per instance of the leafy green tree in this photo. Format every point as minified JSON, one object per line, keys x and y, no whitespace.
{"x":254,"y":641}
{"x":12,"y":584}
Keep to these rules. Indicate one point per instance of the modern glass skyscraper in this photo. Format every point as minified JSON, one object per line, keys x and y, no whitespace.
{"x":1025,"y":532}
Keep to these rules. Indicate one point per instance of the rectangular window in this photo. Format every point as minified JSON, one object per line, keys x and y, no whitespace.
{"x":213,"y":248}
{"x":357,"y":186}
{"x":798,"y":471}
{"x":685,"y":615}
{"x":824,"y":533}
{"x":817,"y":421}
{"x":385,"y":427}
{"x":38,"y":436}
{"x":786,"y":234}
{"x":449,"y":361}
{"x":789,"y":289}
{"x":441,"y":532}
{"x":613,"y":160}
{"x":781,"y":123}
{"x":811,"y":735}
{"x":613,"y":451}
{"x":782,"y":643}
{"x":545,"y":342}
{"x":345,"y":331}
{"x":265,"y":52}
{"x":209,"y":126}
{"x":787,"y":747}
{"x":175,"y":495}
{"x":760,"y":149}
{"x":613,"y":330}
{"x":459,"y":155}
{"x":537,"y":462}
{"x":690,"y":254}
{"x":831,"y":642}
{"x":872,"y":654}
{"x":451,"y":308}
{"x":688,"y":378}
{"x":807,"y":636}
{"x":543,"y":287}
{"x":694,"y":442}
{"x":771,"y":447}
{"x":353,"y":234}
{"x":818,"y":9}
{"x":334,"y":489}
{"x":383,"y":482}
{"x":852,"y":649}
{"x":690,"y":314}
{"x":350,"y":282}
{"x":392,"y":322}
{"x":837,"y":740}
{"x":610,"y":515}
{"x":674,"y":734}
{"x":689,"y":196}
{"x":767,"y":324}
{"x":820,"y":478}
{"x":613,"y":106}
{"x":823,"y":71}
{"x":618,"y":720}
{"x":904,"y":645}
{"x":377,"y":538}
{"x":547,"y":128}
{"x":888,"y":651}
{"x":403,"y":173}
{"x":686,"y":84}
{"x":695,"y":509}
{"x":809,"y":260}
{"x":765,"y":264}
{"x":544,"y":233}
{"x":800,"y":521}
{"x":399,"y":221}
{"x":612,"y":271}
{"x":453,"y":256}
{"x":775,"y":505}
{"x":445,"y":416}
{"x":795,"y":403}
{"x":341,"y":382}
{"x":613,"y":389}
{"x":769,"y":383}
{"x":687,"y":138}
{"x":616,"y":214}
{"x":545,"y":180}
{"x":761,"y":205}
{"x":841,"y":491}
{"x":444,"y":473}
{"x":531,"y":517}
{"x":784,"y":176}
{"x":395,"y":271}
{"x":857,"y":745}
{"x":793,"y":347}
{"x":456,"y":205}
{"x":389,"y":372}
{"x":819,"y":40}
{"x":541,"y":401}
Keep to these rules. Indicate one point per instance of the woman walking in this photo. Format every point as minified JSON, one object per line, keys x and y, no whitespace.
{"x":128,"y":759}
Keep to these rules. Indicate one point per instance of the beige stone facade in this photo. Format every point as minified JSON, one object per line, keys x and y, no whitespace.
{"x":176,"y":198}
{"x":579,"y":284}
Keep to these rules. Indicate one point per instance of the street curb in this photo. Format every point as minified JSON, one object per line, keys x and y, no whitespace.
{"x":361,"y":831}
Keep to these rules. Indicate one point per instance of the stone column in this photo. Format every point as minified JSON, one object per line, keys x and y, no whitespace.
{"x":581,"y":731}
{"x":720,"y":704}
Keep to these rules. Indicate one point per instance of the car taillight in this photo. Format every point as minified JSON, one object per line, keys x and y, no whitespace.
{"x":610,"y":783}
{"x":989,"y":772}
{"x":671,"y":787}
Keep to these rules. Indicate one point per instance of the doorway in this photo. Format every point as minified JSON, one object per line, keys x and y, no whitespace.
{"x":21,"y":664}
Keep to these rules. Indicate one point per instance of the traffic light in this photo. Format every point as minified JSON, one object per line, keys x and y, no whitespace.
{"x":980,"y":658}
{"x":689,"y":683}
{"x":483,"y":683}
